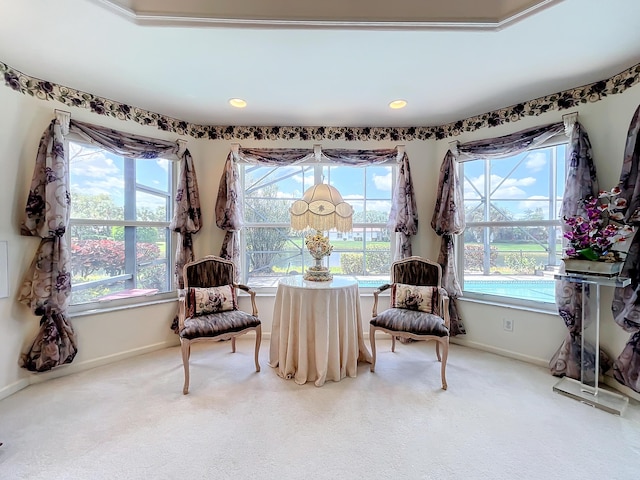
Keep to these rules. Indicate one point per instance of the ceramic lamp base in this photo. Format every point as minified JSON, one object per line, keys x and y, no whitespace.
{"x":318,"y":274}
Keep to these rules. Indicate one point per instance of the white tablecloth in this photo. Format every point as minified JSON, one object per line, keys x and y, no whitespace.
{"x":317,"y":330}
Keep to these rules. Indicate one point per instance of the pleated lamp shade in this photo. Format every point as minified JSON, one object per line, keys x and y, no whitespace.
{"x":321,"y":208}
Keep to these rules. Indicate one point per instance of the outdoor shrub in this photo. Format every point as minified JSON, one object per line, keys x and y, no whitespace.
{"x":474,"y":257}
{"x":90,"y":256}
{"x":520,"y":263}
{"x":378,"y":262}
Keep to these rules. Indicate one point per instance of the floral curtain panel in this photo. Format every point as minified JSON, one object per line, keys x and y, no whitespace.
{"x":48,"y":281}
{"x":626,"y":303}
{"x":581,"y":182}
{"x":229,"y":212}
{"x":187,"y":218}
{"x":403,"y":218}
{"x":47,"y":285}
{"x":448,"y":220}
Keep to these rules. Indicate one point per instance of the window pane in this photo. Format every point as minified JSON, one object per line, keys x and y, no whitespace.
{"x":152,"y":207}
{"x":115,"y":259}
{"x":101,"y":268}
{"x":272,"y":252}
{"x":512,"y":250}
{"x":154,"y":173}
{"x":97,"y":262}
{"x":97,"y":183}
{"x":525,"y":191}
{"x":272,"y":249}
{"x":152,"y":259}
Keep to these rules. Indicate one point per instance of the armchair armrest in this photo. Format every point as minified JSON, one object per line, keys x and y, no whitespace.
{"x":252,"y":293}
{"x":182,"y":312}
{"x":380,"y":289}
{"x":444,"y":307}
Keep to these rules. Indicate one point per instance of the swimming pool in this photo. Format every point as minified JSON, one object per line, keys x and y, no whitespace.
{"x":534,"y":290}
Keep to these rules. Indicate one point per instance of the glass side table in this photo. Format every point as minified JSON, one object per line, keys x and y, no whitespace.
{"x":586,"y":390}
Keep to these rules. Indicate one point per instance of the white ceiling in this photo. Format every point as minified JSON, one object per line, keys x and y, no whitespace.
{"x":312,"y":76}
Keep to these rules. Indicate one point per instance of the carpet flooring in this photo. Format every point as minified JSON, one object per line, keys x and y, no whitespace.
{"x":499,"y":419}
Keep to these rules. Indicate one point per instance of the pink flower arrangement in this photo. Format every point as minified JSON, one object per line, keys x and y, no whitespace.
{"x":594,"y":235}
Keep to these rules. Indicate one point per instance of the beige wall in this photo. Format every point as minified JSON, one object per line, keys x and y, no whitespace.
{"x":107,"y":337}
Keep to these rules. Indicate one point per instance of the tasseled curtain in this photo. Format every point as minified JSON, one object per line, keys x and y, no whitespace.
{"x":581,"y":182}
{"x":626,"y":303}
{"x":448,"y":220}
{"x":47,"y":285}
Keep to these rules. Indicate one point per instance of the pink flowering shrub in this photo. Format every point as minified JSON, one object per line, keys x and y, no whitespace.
{"x":594,"y":235}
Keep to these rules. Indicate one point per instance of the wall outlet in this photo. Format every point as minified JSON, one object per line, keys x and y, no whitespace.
{"x":507,"y":324}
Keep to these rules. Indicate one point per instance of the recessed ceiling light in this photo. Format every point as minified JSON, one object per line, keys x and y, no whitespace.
{"x":237,"y":102}
{"x":398,"y":104}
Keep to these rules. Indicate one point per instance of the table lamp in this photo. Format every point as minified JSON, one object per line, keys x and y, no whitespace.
{"x":321,"y":208}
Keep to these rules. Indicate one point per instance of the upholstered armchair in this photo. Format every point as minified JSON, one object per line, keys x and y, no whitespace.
{"x":418,"y":309}
{"x":209,"y":308}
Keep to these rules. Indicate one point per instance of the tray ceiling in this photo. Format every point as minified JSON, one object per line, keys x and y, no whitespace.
{"x":315,"y":76}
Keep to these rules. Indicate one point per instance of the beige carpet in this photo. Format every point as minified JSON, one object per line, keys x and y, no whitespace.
{"x":499,"y":420}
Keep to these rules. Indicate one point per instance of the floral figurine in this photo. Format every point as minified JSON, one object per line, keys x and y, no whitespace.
{"x":318,"y":245}
{"x":594,"y":235}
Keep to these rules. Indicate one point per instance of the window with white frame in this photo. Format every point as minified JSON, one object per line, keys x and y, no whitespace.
{"x":119,"y":235}
{"x":512,"y":244}
{"x":271,"y":249}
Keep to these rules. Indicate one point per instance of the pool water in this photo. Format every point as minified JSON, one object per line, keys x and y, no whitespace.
{"x":534,"y":290}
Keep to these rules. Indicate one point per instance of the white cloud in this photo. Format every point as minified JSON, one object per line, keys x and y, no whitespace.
{"x":509,"y":188}
{"x":94,"y":163}
{"x":536,"y":161}
{"x":532,"y":204}
{"x":383,"y":182}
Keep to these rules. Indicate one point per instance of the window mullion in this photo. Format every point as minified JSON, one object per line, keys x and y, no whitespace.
{"x":130,"y":266}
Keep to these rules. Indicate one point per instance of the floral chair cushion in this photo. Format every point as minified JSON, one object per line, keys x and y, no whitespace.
{"x":203,"y":301}
{"x":415,"y":297}
{"x":215,"y":324}
{"x":411,"y":321}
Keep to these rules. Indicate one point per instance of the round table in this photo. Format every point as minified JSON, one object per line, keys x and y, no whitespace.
{"x":317,"y":330}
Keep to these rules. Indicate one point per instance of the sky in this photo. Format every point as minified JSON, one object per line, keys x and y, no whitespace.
{"x":527,"y":186}
{"x":94,"y":172}
{"x":519,"y":183}
{"x":352,"y":183}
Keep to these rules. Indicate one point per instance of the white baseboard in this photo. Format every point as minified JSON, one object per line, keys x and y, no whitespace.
{"x":74,"y":367}
{"x":499,"y":351}
{"x":13,"y":388}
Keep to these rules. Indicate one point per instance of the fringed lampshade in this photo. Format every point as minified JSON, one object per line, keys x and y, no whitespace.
{"x":321,"y":208}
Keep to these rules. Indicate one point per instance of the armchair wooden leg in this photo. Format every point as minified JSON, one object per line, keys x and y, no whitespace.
{"x":443,"y":366}
{"x":186,"y":352}
{"x":372,"y":340}
{"x":233,"y":344}
{"x":438,"y":351}
{"x":258,"y":340}
{"x":393,"y":343}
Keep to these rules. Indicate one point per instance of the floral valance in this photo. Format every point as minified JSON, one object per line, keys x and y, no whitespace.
{"x":593,"y":92}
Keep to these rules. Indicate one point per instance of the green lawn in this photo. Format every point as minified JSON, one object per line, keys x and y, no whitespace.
{"x":518,"y":247}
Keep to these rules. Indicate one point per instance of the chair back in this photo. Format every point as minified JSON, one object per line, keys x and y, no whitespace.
{"x":209,"y":271}
{"x":416,"y":271}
